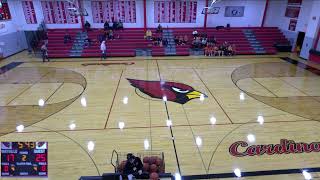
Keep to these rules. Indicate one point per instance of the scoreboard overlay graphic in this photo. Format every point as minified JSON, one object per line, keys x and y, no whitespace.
{"x":24,"y":159}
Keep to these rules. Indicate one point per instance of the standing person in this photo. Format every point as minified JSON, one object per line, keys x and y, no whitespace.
{"x":44,"y":53}
{"x":103,"y":48}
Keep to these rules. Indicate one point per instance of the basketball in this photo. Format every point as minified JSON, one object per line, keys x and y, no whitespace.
{"x":145,"y":167}
{"x":154,"y":176}
{"x":153,"y":168}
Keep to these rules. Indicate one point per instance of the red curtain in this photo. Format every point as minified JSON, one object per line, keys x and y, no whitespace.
{"x":29,"y":12}
{"x":114,"y":10}
{"x":175,"y":11}
{"x":56,"y":12}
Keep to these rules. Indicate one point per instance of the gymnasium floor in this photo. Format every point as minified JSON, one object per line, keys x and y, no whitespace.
{"x":85,"y":101}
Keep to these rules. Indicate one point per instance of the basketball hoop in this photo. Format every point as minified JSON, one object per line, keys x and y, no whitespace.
{"x":211,"y":9}
{"x":78,"y":11}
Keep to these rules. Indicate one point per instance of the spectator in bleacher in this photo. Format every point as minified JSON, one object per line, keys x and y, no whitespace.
{"x":115,"y":25}
{"x":44,"y":53}
{"x":229,"y":51}
{"x":66,"y":38}
{"x":87,"y":26}
{"x":159,"y":29}
{"x":106,"y":26}
{"x":203,"y":41}
{"x":110,"y":35}
{"x":87,"y":42}
{"x":120,"y":25}
{"x":165,"y":42}
{"x":148,"y":35}
{"x":195,"y":34}
{"x":196,"y":43}
{"x":103,"y":48}
{"x":185,"y":39}
{"x":176,"y":40}
{"x":181,"y":42}
{"x":215,"y":50}
{"x":100,"y":38}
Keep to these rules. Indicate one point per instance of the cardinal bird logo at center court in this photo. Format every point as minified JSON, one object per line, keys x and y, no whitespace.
{"x":175,"y":92}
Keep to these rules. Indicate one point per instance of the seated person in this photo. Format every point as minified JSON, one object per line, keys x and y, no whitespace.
{"x":120,"y":25}
{"x":159,"y":29}
{"x":204,"y":42}
{"x":185,"y":39}
{"x":195,"y":34}
{"x":66,"y":38}
{"x":165,"y":42}
{"x":176,"y":40}
{"x":148,"y":35}
{"x":115,"y":25}
{"x":133,"y":167}
{"x":197,"y":43}
{"x":215,"y":50}
{"x":87,"y":42}
{"x":110,"y":34}
{"x":207,"y":51}
{"x":229,"y":51}
{"x":106,"y":26}
{"x":87,"y":26}
{"x":181,"y":40}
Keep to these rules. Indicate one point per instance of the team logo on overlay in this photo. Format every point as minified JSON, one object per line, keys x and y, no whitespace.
{"x":285,"y":147}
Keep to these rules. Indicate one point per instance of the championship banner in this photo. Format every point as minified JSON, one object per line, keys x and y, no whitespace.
{"x":29,"y":12}
{"x":292,"y":25}
{"x":234,"y":11}
{"x":294,"y":2}
{"x":292,"y":12}
{"x":178,"y":11}
{"x":4,"y":11}
{"x":56,"y":12}
{"x":114,"y":10}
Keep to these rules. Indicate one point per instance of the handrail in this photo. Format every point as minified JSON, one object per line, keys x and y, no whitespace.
{"x":114,"y":166}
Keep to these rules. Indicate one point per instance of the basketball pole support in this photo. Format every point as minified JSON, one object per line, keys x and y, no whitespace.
{"x":265,"y":13}
{"x":145,"y":15}
{"x":205,"y":15}
{"x":81,"y":16}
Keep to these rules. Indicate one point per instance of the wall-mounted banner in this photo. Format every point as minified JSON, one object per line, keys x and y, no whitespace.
{"x":242,"y":149}
{"x":292,"y":12}
{"x":292,"y":25}
{"x":234,"y":11}
{"x":294,"y":2}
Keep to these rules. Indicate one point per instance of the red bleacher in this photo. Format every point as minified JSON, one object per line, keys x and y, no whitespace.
{"x":130,"y":39}
{"x":133,"y":38}
{"x":56,"y":46}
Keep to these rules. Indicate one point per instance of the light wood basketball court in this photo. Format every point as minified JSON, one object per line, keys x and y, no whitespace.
{"x":85,"y":102}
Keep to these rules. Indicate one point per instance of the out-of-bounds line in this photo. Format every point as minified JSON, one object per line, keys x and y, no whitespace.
{"x":251,"y":173}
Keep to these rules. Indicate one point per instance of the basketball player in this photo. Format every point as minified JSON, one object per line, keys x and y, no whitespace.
{"x":44,"y":53}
